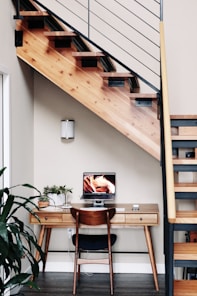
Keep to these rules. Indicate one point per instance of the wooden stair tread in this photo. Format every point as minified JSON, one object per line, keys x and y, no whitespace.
{"x":184,"y":137}
{"x":59,"y":34}
{"x":143,"y":96}
{"x":187,"y":214}
{"x":87,"y":54}
{"x":185,"y":251}
{"x":106,"y":75}
{"x":185,"y":187}
{"x":33,"y":13}
{"x":186,"y":217}
{"x":183,"y":116}
{"x":185,"y":288}
{"x":187,"y":130}
{"x":185,"y":161}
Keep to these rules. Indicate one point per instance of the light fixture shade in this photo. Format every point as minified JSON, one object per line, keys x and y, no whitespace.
{"x":67,"y":129}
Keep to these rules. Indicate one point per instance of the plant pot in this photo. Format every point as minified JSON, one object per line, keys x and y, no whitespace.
{"x":56,"y":199}
{"x":43,"y":204}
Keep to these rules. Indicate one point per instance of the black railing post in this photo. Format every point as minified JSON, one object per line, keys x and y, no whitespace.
{"x":89,"y":19}
{"x":161,"y":10}
{"x":17,"y":16}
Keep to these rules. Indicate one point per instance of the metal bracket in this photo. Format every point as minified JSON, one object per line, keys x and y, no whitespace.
{"x":115,"y":82}
{"x":18,"y":16}
{"x":143,"y":102}
{"x":89,"y":62}
{"x":18,"y":38}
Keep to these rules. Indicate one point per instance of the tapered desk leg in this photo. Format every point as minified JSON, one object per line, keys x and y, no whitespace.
{"x":151,"y":255}
{"x":48,"y":236}
{"x":40,"y":241}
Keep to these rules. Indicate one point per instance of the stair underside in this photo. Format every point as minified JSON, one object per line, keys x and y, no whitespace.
{"x":112,"y":104}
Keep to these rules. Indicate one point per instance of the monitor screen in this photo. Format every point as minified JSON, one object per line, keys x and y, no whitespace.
{"x":99,"y":186}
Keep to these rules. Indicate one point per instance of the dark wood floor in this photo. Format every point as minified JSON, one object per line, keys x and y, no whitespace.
{"x":54,"y":283}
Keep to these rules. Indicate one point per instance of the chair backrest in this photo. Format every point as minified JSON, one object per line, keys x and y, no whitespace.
{"x":93,"y":217}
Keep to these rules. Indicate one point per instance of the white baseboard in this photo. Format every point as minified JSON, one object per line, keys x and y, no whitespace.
{"x":92,"y":268}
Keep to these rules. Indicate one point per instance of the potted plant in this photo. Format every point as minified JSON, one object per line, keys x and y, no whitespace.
{"x":57,"y":194}
{"x":43,"y":201}
{"x":17,"y":240}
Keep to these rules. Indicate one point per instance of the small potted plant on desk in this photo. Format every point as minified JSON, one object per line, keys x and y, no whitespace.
{"x":43,"y":201}
{"x":58,"y":195}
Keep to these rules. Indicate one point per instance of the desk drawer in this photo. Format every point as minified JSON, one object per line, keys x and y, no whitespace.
{"x":142,"y":219}
{"x":47,"y":218}
{"x":53,"y":219}
{"x":68,"y":219}
{"x":118,"y":218}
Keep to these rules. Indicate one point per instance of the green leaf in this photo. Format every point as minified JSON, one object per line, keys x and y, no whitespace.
{"x":7,"y":208}
{"x":2,"y":171}
{"x":23,"y":202}
{"x":31,"y":186}
{"x":18,"y":279}
{"x":4,"y":232}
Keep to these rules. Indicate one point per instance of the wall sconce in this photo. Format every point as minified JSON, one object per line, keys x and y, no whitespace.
{"x":67,"y":129}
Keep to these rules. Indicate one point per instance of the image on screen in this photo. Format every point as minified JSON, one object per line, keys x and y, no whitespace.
{"x":99,"y":185}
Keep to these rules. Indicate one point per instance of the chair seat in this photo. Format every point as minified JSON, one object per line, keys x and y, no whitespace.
{"x":94,"y":242}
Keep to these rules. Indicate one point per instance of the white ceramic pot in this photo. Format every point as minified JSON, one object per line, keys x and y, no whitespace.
{"x":56,"y":199}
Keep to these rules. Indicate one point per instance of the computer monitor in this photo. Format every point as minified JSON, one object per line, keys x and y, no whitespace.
{"x":99,"y":187}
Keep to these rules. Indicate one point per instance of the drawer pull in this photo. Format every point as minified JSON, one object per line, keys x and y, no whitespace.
{"x":141,"y":218}
{"x":45,"y":218}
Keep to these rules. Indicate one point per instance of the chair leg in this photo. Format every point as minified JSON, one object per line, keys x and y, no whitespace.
{"x":78,"y":268}
{"x":75,"y":274}
{"x":111,"y":274}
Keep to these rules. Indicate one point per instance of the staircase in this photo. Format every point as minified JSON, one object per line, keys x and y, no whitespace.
{"x":179,"y":167}
{"x":88,"y":75}
{"x":180,"y":215}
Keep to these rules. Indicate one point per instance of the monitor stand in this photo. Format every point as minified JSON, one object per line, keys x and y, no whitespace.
{"x":98,"y":203}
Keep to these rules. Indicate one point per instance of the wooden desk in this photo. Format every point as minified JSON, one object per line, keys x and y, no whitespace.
{"x":146,"y":216}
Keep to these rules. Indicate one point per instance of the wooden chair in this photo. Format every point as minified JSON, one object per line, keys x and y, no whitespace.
{"x":93,"y":242}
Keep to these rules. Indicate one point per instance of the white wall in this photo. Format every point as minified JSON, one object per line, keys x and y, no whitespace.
{"x":96,"y":147}
{"x":21,"y":98}
{"x":19,"y":92}
{"x":181,"y":46}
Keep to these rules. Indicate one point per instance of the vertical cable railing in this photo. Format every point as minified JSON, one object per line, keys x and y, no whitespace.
{"x":130,"y":32}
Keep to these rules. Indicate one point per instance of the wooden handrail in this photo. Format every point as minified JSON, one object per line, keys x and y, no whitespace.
{"x":167,"y":133}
